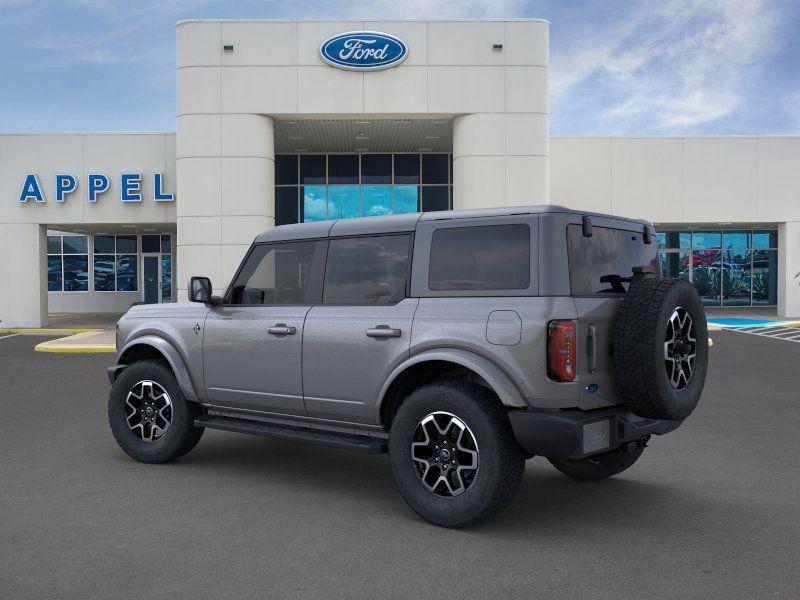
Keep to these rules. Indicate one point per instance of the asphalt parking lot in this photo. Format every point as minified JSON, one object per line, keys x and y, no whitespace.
{"x":710,"y":511}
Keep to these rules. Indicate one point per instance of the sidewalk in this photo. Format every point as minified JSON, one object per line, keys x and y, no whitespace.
{"x":90,"y":342}
{"x":84,"y":333}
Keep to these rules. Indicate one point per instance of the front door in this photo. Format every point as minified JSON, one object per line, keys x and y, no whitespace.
{"x":362,"y":329}
{"x":252,"y":344}
{"x":152,"y":280}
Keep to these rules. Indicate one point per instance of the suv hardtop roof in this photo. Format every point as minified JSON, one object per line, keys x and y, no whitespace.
{"x":408,"y":222}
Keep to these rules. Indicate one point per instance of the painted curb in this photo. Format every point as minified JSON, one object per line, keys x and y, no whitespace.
{"x":61,"y":349}
{"x":46,"y":331}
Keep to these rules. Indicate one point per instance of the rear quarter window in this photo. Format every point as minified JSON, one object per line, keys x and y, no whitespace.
{"x":595,"y":261}
{"x":490,"y":257}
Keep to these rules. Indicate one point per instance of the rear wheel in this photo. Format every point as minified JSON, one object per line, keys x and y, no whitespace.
{"x":454,"y":457}
{"x":149,"y":417}
{"x":600,"y":466}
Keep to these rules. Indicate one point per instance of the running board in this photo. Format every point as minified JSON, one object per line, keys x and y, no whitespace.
{"x":358,"y":443}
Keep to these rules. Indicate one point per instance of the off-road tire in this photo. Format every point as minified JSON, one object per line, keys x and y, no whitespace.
{"x":599,"y":466}
{"x":639,"y":348}
{"x":181,"y":436}
{"x":501,"y":461}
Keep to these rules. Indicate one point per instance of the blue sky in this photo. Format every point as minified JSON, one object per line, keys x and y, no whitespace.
{"x":670,"y":67}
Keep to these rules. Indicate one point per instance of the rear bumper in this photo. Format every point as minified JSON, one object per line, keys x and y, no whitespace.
{"x":579,"y":433}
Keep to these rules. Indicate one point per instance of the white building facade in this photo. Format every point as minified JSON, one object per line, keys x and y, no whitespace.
{"x":287,"y":121}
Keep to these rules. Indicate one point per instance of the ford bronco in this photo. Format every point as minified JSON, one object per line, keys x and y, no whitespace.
{"x":461,"y":343}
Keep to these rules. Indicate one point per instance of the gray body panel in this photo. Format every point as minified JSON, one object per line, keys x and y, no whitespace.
{"x":331,"y":374}
{"x":343,"y":368}
{"x":248,"y":367}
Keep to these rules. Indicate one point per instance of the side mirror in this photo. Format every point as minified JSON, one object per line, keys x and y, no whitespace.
{"x":200,"y":290}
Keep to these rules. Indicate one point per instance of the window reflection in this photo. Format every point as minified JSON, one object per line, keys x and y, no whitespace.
{"x":377,"y":200}
{"x":343,"y":202}
{"x":314,"y":203}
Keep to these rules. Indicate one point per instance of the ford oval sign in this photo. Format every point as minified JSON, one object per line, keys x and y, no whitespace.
{"x":363,"y":50}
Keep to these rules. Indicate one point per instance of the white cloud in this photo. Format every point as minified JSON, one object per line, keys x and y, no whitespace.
{"x":670,"y":69}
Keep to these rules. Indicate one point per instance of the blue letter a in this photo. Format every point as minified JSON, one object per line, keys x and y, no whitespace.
{"x":31,"y":189}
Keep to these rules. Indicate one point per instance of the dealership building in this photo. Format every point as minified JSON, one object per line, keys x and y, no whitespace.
{"x":290,"y":121}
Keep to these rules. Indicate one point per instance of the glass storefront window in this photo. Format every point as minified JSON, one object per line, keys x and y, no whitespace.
{"x":104,"y":244}
{"x":126,"y":274}
{"x":312,"y":168}
{"x":742,"y":273}
{"x":376,"y":168}
{"x":313,"y":203}
{"x":675,"y":264}
{"x":286,"y":206}
{"x":765,"y":277}
{"x":76,"y":273}
{"x":75,"y":244}
{"x":54,"y":276}
{"x":736,"y":239}
{"x":674,"y":239}
{"x":376,"y":200}
{"x":736,"y":278}
{"x":343,"y":201}
{"x":166,"y":244}
{"x":765,"y":239}
{"x":359,"y":185}
{"x":104,"y":272}
{"x":707,"y":239}
{"x":151,"y":243}
{"x":166,"y":278}
{"x":406,"y":199}
{"x":343,"y":168}
{"x":434,"y":168}
{"x":406,"y":168}
{"x":286,"y":169}
{"x":54,"y":244}
{"x":126,"y":244}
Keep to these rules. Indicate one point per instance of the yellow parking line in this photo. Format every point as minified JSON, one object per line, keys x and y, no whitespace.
{"x":46,"y":331}
{"x":97,"y":349}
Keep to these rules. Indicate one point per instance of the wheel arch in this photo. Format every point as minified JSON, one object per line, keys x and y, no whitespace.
{"x":434,"y":364}
{"x":154,"y":347}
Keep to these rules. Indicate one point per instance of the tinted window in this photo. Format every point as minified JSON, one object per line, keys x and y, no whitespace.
{"x":104,"y":244}
{"x":274,"y":274}
{"x":610,"y":255}
{"x":434,"y":168}
{"x":434,"y":198}
{"x":368,"y":270}
{"x":75,"y":244}
{"x":285,"y":205}
{"x":285,"y":169}
{"x":376,"y":168}
{"x":126,"y":244}
{"x":406,"y":168}
{"x":492,"y":257}
{"x":343,"y":168}
{"x":312,"y":168}
{"x":151,"y":243}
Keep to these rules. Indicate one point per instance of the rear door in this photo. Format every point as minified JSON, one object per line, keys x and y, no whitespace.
{"x":362,"y":329}
{"x":597,"y":266}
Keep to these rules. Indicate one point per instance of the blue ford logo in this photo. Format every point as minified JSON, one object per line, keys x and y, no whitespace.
{"x":363,"y":50}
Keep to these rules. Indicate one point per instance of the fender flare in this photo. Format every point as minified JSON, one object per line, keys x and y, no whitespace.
{"x":172,"y":356}
{"x":498,"y":380}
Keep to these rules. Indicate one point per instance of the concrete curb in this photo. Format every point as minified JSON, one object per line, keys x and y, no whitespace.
{"x":98,"y":349}
{"x":46,"y":331}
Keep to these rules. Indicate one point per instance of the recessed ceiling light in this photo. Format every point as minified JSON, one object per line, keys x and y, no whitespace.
{"x":441,"y":121}
{"x":361,"y":149}
{"x":128,"y":226}
{"x":301,"y":149}
{"x":402,"y":121}
{"x":363,"y":122}
{"x":431,"y":137}
{"x":295,"y":137}
{"x":329,"y":121}
{"x":426,"y":149}
{"x":288,"y":122}
{"x":362,"y":136}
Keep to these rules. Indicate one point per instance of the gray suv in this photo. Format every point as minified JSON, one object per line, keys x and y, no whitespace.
{"x":462,"y":343}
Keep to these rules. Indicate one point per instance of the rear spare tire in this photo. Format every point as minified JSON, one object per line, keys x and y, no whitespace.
{"x":661,"y":348}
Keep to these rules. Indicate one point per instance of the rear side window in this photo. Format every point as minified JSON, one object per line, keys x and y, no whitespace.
{"x":274,"y":274}
{"x":600,"y":263}
{"x":490,"y":257}
{"x":366,"y":270}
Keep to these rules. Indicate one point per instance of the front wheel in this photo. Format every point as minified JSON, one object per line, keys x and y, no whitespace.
{"x":453,"y":455}
{"x":149,"y":417}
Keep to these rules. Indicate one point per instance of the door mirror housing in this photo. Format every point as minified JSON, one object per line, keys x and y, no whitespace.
{"x":200,"y":290}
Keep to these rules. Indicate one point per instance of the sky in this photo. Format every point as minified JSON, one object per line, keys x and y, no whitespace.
{"x":617,"y":67}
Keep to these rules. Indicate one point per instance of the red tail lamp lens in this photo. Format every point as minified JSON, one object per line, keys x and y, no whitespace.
{"x":561,"y":350}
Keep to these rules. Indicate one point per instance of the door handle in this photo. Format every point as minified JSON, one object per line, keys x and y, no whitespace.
{"x":591,"y":348}
{"x":282,"y":329}
{"x":384,"y":331}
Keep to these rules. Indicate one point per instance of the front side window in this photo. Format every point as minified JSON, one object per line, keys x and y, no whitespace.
{"x":491,"y":257}
{"x":274,"y":274}
{"x":366,"y":270}
{"x":600,"y":263}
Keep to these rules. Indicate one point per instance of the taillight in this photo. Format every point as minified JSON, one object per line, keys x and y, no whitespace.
{"x":561,"y":350}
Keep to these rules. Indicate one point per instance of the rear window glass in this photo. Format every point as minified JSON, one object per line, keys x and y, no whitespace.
{"x":491,"y":257}
{"x":601,"y":263}
{"x":367,"y":270}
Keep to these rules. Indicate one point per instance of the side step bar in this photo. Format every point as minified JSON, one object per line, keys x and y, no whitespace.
{"x":358,"y":443}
